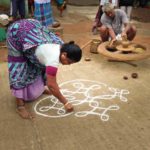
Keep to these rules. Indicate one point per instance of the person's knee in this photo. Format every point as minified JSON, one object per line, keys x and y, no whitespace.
{"x":103,"y":29}
{"x":104,"y":33}
{"x":134,"y":29}
{"x":131,"y":32}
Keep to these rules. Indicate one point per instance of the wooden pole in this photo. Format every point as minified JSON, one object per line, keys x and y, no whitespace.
{"x":86,"y":44}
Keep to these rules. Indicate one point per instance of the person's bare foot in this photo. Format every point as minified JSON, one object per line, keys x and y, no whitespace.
{"x":24,"y":113}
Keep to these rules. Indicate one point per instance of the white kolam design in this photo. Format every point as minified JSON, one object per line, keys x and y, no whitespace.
{"x":88,"y":98}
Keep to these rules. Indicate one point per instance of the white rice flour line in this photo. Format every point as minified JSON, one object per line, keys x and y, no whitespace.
{"x":84,"y":88}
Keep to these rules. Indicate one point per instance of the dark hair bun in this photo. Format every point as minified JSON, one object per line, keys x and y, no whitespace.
{"x":71,"y":42}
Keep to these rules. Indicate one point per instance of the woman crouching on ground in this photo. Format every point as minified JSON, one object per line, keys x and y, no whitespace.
{"x":34,"y":54}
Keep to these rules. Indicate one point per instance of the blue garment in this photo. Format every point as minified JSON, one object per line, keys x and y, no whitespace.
{"x":43,"y":13}
{"x":59,"y":2}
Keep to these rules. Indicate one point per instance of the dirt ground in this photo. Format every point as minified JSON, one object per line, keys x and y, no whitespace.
{"x":110,"y":113}
{"x":74,"y":22}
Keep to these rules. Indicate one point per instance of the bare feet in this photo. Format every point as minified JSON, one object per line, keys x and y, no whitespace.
{"x":55,"y":24}
{"x":24,"y":113}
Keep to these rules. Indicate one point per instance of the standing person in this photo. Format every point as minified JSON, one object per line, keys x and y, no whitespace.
{"x":136,"y":3}
{"x":10,"y":14}
{"x":31,"y":7}
{"x":143,"y":3}
{"x":43,"y":13}
{"x":34,"y":54}
{"x":97,"y":22}
{"x":114,"y":23}
{"x":17,"y":6}
{"x":61,"y":5}
{"x":127,"y":6}
{"x":113,"y":2}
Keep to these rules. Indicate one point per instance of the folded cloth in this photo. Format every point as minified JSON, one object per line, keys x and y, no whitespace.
{"x":4,"y":19}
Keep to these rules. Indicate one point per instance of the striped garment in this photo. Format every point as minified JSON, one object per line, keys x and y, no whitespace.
{"x":43,"y":13}
{"x":42,"y":1}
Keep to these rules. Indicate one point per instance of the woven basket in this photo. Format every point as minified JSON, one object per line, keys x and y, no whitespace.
{"x":94,"y":45}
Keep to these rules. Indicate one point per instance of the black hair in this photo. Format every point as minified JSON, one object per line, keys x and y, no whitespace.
{"x":73,"y":51}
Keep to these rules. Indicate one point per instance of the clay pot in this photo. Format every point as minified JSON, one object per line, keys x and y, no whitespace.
{"x":125,"y":77}
{"x":94,"y":45}
{"x":125,"y":44}
{"x":87,"y":59}
{"x":134,"y":75}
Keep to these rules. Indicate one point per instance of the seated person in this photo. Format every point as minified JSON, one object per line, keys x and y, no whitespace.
{"x":115,"y":22}
{"x":97,"y":22}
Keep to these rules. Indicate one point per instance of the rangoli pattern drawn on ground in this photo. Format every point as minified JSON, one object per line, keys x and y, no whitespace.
{"x":88,"y":98}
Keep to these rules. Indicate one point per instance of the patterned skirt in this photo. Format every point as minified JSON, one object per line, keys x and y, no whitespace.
{"x":30,"y":92}
{"x":43,"y":13}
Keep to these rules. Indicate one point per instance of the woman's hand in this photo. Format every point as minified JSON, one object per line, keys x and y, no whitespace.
{"x":69,"y":107}
{"x":54,"y":89}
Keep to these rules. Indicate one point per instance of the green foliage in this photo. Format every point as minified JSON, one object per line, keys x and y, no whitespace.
{"x":2,"y":34}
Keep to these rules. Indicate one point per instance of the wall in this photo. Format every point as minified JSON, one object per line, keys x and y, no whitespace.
{"x":5,"y":2}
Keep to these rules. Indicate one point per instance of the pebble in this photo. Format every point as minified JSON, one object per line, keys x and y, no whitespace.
{"x":125,"y":78}
{"x":134,"y":75}
{"x":87,"y":59}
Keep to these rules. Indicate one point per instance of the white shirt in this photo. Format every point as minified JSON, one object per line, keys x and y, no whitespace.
{"x":48,"y":54}
{"x":114,"y":2}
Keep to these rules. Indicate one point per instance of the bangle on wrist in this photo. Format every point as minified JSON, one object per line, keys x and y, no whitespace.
{"x":66,"y":103}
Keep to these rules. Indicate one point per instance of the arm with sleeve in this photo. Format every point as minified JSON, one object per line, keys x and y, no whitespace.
{"x":48,"y":55}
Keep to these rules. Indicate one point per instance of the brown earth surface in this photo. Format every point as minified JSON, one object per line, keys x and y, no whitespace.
{"x":115,"y":115}
{"x":81,"y":24}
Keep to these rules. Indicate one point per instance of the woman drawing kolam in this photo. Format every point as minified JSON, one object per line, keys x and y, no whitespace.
{"x":34,"y":54}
